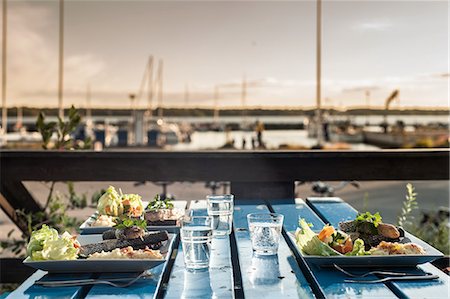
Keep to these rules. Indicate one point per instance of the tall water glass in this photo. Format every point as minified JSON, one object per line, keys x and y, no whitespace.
{"x":265,"y":232}
{"x":196,"y":236}
{"x":220,"y":208}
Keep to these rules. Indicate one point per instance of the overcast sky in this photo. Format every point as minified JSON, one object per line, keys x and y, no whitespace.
{"x":367,"y":45}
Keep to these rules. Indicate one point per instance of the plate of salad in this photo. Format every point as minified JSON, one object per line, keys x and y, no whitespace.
{"x":129,"y":249}
{"x":114,"y":205}
{"x":365,"y":241}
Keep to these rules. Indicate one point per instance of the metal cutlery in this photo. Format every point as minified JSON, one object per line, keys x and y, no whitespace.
{"x":376,"y":272}
{"x":394,"y":278}
{"x":115,"y":282}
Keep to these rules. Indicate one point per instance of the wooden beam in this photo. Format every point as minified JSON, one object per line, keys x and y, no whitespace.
{"x":236,"y":166}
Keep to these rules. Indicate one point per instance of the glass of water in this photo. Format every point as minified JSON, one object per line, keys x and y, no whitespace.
{"x":265,"y":232}
{"x":196,"y":236}
{"x":220,"y":207}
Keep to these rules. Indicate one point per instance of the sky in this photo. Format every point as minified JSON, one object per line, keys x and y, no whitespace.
{"x":369,"y":47}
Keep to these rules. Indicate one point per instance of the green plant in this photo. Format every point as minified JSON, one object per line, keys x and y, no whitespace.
{"x":96,"y":196}
{"x":435,"y":233}
{"x":409,"y":205}
{"x":75,"y":200}
{"x":63,"y":130}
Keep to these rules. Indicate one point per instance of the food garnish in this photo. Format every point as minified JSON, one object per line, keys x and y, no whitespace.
{"x":368,"y":217}
{"x":47,"y":244}
{"x":122,"y":223}
{"x":158,"y":203}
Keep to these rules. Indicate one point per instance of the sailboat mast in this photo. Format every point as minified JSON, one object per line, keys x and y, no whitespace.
{"x":61,"y":59}
{"x":4,"y":49}
{"x":186,"y":95}
{"x":160,"y":89}
{"x":88,"y":106}
{"x":244,"y":98}
{"x":318,"y":73}
{"x":216,"y":104}
{"x":150,"y":87}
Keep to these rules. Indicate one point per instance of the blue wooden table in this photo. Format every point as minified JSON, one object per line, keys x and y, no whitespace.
{"x":236,"y":273}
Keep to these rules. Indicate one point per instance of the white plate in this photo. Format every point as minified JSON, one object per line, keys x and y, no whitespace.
{"x":87,"y":229}
{"x":103,"y":266}
{"x":399,"y":260}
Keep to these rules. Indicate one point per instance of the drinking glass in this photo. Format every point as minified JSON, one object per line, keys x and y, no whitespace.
{"x":196,"y":236}
{"x":220,"y":207}
{"x":265,"y":231}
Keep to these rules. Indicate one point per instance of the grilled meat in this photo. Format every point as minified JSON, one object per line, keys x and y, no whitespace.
{"x":150,"y":239}
{"x":371,"y":235}
{"x":130,"y":233}
{"x":109,"y":234}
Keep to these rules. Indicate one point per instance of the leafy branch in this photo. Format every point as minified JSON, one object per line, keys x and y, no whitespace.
{"x":63,"y":131}
{"x":409,"y":205}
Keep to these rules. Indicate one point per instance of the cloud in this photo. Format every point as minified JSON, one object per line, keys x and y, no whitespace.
{"x":373,"y":26}
{"x":33,"y":58}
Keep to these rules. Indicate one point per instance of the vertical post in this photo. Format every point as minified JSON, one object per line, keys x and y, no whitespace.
{"x":216,"y":104}
{"x":244,"y":101}
{"x":4,"y":49}
{"x":61,"y":59}
{"x":88,"y":107}
{"x":367,"y":105}
{"x":150,"y":87}
{"x":318,"y":72}
{"x":160,"y":90}
{"x":186,"y":95}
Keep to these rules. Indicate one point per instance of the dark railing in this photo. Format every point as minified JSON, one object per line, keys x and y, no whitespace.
{"x":253,"y":175}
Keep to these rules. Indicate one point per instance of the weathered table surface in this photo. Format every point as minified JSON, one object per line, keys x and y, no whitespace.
{"x":235,"y":272}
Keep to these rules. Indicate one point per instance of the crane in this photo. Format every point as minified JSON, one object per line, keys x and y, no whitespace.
{"x":392,"y":96}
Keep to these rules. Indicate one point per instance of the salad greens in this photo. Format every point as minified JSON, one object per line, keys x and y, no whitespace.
{"x":157,"y":204}
{"x":358,"y":248}
{"x":46,"y":244}
{"x":132,"y":205}
{"x":123,"y":223}
{"x":308,"y":242}
{"x":375,"y":219}
{"x":110,"y":203}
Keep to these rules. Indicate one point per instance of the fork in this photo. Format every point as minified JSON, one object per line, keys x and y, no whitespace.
{"x":82,"y":282}
{"x":392,"y":278}
{"x":397,"y":274}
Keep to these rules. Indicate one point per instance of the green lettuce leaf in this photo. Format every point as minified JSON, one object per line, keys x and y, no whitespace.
{"x":358,"y":248}
{"x":110,"y":203}
{"x":45,"y":244}
{"x":38,"y":238}
{"x":308,"y":242}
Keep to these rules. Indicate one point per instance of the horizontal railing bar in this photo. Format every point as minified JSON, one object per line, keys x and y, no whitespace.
{"x":237,"y":166}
